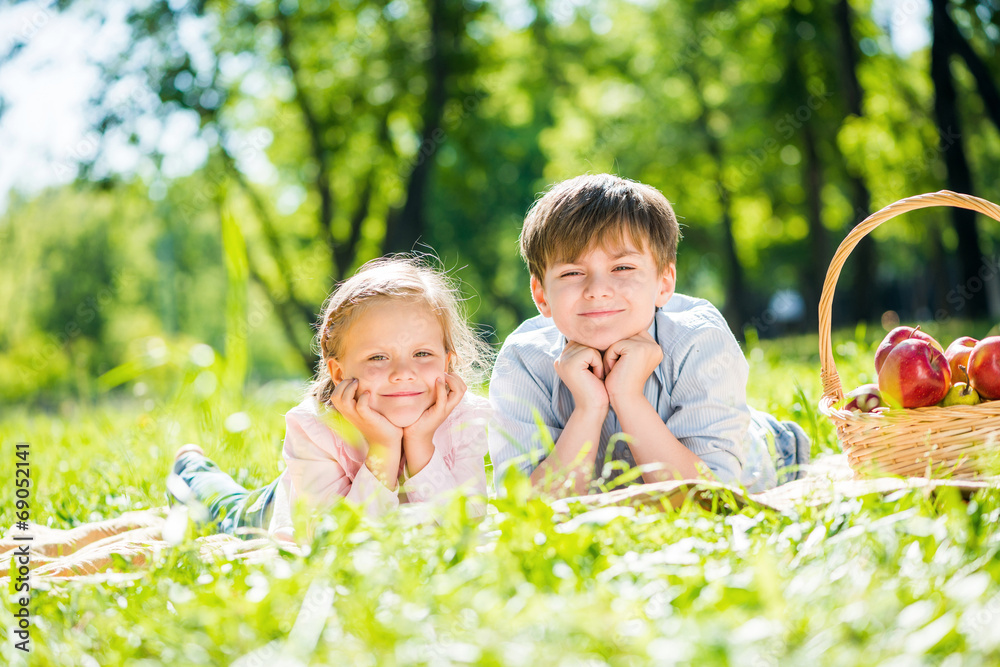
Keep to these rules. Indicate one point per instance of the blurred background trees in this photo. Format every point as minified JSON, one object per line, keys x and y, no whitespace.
{"x":332,"y":132}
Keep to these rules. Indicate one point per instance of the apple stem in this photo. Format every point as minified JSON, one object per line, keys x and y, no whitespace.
{"x":968,"y":386}
{"x":915,"y":330}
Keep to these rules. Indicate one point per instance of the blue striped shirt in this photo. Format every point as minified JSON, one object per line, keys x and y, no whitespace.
{"x":699,"y":390}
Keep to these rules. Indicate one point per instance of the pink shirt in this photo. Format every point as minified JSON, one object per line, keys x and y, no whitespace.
{"x":322,"y":467}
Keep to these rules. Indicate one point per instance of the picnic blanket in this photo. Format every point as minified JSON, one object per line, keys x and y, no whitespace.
{"x":120,"y":548}
{"x":115,"y":548}
{"x":827,"y":479}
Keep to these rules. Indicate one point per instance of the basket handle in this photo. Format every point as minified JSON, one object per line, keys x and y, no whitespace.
{"x":828,"y":367}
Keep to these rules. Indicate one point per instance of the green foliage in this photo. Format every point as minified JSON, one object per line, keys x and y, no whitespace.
{"x":327,"y":124}
{"x":235,"y":250}
{"x":876,"y":580}
{"x":337,"y":131}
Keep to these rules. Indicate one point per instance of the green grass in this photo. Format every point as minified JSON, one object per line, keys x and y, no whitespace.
{"x":898,"y":580}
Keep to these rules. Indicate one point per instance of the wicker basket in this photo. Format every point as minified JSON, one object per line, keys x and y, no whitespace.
{"x":921,"y":442}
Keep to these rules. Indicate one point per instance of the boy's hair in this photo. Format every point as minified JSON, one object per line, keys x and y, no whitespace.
{"x":398,"y":278}
{"x":601,"y":209}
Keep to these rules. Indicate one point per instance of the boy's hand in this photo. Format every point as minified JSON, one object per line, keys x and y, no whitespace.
{"x":581,"y":369}
{"x":448,"y":392}
{"x":627,"y":365}
{"x":373,"y":425}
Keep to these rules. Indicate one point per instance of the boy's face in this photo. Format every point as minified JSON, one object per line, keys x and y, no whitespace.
{"x":605,"y":295}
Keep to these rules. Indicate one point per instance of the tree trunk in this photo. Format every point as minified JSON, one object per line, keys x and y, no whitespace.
{"x":736,"y":299}
{"x":864,"y":255}
{"x":980,"y":71}
{"x":289,"y":323}
{"x":939,"y":260}
{"x":815,"y":253}
{"x":973,"y":297}
{"x":819,"y":258}
{"x":405,"y":227}
{"x":316,"y":129}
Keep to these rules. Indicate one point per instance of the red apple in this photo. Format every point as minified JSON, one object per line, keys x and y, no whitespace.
{"x":984,"y":368}
{"x":958,"y":353}
{"x":897,"y":336}
{"x":915,"y":374}
{"x":864,"y":399}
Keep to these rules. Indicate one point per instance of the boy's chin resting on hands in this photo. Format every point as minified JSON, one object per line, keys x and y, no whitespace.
{"x":613,"y":377}
{"x":581,"y":369}
{"x":628,"y":364}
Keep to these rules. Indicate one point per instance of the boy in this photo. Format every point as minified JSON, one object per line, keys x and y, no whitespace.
{"x":615,"y":350}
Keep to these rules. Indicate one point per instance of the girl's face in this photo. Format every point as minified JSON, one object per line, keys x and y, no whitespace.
{"x":396,"y":351}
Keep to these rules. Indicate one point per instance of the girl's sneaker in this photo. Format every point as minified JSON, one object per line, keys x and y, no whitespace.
{"x":178,"y":492}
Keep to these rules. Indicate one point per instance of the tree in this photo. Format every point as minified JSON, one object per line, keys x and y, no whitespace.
{"x":952,"y":147}
{"x":864,"y":254}
{"x":356,"y":123}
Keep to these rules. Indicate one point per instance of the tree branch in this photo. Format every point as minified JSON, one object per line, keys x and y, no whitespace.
{"x":863,"y":302}
{"x":404,"y":228}
{"x":345,"y":251}
{"x":286,"y":319}
{"x":736,"y":301}
{"x":980,"y":71}
{"x":316,"y":131}
{"x":304,"y":311}
{"x":952,"y":148}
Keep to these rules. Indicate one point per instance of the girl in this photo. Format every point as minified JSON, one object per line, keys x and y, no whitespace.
{"x":387,"y":419}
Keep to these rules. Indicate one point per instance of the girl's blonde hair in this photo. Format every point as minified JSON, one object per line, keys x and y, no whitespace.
{"x":403,"y":278}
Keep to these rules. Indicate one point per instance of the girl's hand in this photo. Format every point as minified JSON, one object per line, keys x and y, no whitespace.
{"x":385,"y":439}
{"x":448,"y":393}
{"x":356,"y":409}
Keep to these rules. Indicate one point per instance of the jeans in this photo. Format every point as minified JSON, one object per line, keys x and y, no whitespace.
{"x":775,"y":451}
{"x":237,"y":510}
